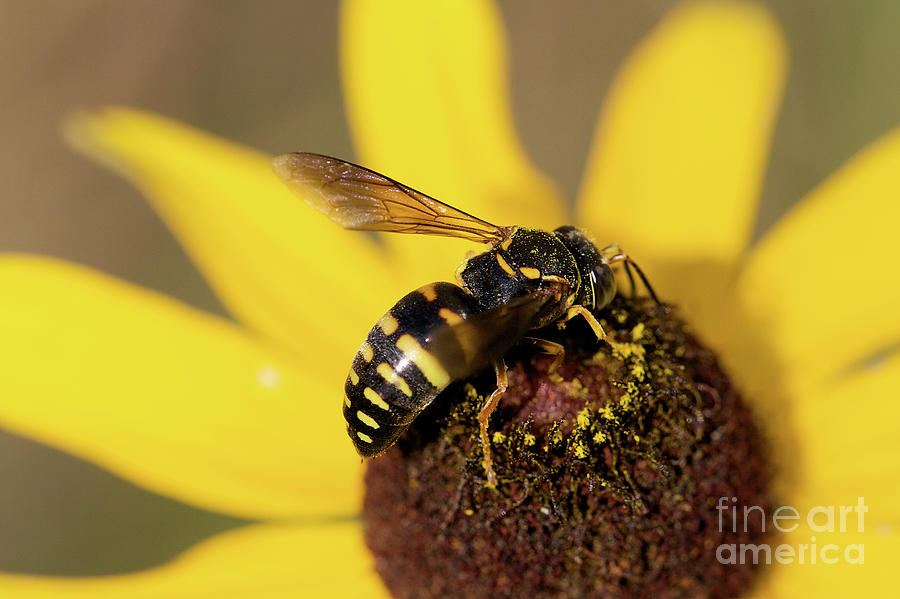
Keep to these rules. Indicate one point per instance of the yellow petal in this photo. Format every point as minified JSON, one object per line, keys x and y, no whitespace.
{"x":426,"y":93}
{"x":277,"y":264}
{"x":262,"y":562}
{"x":863,"y":564}
{"x":180,"y":402}
{"x":847,"y":433}
{"x":822,"y":286}
{"x":680,"y":148}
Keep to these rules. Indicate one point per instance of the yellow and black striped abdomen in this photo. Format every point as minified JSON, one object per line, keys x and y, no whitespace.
{"x":394,"y":375}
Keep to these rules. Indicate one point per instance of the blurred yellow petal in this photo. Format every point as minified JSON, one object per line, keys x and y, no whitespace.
{"x":262,"y":562}
{"x":822,"y":286}
{"x":276,"y":264}
{"x":680,"y":149}
{"x":863,"y":564}
{"x":847,"y":433}
{"x":173,"y":399}
{"x":425,"y":86}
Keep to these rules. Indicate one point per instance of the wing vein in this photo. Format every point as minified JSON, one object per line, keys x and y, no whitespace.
{"x":357,"y":198}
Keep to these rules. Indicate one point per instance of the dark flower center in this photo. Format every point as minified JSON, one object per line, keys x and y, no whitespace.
{"x":609,"y":472}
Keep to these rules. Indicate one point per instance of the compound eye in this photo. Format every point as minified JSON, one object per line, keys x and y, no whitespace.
{"x":604,"y":285}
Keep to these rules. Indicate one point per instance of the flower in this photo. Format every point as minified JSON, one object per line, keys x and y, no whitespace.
{"x":242,"y":417}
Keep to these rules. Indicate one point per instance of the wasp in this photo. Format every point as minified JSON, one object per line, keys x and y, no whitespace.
{"x":442,"y":332}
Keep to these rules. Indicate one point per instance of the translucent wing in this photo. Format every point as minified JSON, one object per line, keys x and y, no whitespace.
{"x":468,"y":346}
{"x":357,"y":198}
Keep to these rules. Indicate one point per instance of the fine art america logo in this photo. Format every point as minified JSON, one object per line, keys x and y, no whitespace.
{"x":787,"y":519}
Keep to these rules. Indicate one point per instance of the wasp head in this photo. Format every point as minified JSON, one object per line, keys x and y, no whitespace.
{"x":598,"y":285}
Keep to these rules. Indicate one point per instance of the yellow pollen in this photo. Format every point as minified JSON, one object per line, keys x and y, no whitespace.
{"x":637,"y":332}
{"x":584,"y":418}
{"x":581,"y":450}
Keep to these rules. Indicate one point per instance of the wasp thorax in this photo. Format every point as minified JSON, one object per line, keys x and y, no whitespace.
{"x":609,"y":473}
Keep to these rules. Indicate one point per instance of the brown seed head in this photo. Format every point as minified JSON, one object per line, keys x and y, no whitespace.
{"x":609,"y":473}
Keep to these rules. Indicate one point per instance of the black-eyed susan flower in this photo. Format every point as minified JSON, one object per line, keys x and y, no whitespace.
{"x":242,"y":417}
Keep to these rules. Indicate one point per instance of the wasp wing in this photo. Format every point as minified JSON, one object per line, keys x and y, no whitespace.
{"x":357,"y":198}
{"x":468,"y":346}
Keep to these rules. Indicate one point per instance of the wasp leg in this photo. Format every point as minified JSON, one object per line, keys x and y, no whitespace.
{"x":549,"y":347}
{"x":631,"y":285}
{"x":614,"y":254}
{"x":590,"y":318}
{"x":485,"y":415}
{"x":630,"y":262}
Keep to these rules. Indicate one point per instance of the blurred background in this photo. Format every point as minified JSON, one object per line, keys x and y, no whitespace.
{"x":265,"y":73}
